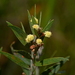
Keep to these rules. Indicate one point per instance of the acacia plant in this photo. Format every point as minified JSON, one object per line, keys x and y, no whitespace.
{"x":33,"y":63}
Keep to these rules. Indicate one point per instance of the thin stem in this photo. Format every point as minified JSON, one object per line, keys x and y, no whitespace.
{"x":31,"y":66}
{"x":37,"y":71}
{"x":37,"y":58}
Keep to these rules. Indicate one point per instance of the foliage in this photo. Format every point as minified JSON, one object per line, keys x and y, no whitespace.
{"x":32,"y":65}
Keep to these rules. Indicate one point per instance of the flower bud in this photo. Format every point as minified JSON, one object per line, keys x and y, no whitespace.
{"x":36,"y":20}
{"x":35,"y":26}
{"x":31,"y":20}
{"x":29,"y":38}
{"x":47,"y":34}
{"x":38,"y":41}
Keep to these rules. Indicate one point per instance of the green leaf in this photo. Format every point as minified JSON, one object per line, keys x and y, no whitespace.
{"x":51,"y":70}
{"x":26,"y":71}
{"x":25,"y":60}
{"x":15,"y":59}
{"x":31,"y":24}
{"x":47,"y":27}
{"x":20,"y":56}
{"x":33,"y":20}
{"x":18,"y":33}
{"x":50,"y":61}
{"x":22,"y":52}
{"x":40,"y":18}
{"x":23,"y":28}
{"x":56,"y":68}
{"x":35,"y":10}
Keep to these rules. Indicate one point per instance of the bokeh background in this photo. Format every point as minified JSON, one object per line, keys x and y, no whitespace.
{"x":63,"y":30}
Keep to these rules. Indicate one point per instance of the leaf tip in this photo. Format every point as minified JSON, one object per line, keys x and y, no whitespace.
{"x":7,"y":22}
{"x":1,"y":48}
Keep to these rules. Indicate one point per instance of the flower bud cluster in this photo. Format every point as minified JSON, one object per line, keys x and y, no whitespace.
{"x":31,"y":37}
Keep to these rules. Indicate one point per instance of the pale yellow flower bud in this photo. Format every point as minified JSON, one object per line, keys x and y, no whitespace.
{"x":31,"y":20}
{"x":36,"y":20}
{"x":47,"y":33}
{"x":35,"y":26}
{"x":29,"y":38}
{"x":38,"y":41}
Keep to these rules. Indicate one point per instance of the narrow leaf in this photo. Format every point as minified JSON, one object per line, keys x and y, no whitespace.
{"x":33,"y":20}
{"x":26,"y":71}
{"x":25,"y":60}
{"x":15,"y":59}
{"x":40,"y":18}
{"x":18,"y":33}
{"x":35,"y":10}
{"x":56,"y":68}
{"x":22,"y":52}
{"x":23,"y":27}
{"x":31,"y":24}
{"x":47,"y":27}
{"x":20,"y":56}
{"x":50,"y":61}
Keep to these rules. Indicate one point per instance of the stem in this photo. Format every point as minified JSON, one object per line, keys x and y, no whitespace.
{"x":37,"y":71}
{"x":31,"y":66}
{"x":39,"y":52}
{"x":35,"y":58}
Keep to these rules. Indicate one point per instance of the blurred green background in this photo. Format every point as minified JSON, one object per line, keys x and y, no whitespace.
{"x":63,"y":30}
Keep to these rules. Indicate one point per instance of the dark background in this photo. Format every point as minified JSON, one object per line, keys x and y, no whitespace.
{"x":63,"y":29}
